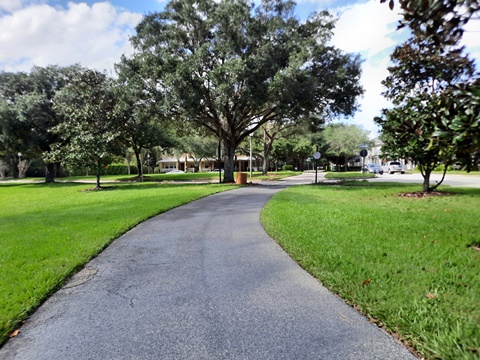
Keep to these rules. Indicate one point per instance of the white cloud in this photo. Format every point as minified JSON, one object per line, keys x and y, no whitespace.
{"x":471,"y":39}
{"x":369,"y":29}
{"x":10,"y":5}
{"x":94,"y":36}
{"x":366,"y":27}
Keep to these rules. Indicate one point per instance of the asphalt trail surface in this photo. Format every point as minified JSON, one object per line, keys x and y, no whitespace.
{"x":203,"y":281}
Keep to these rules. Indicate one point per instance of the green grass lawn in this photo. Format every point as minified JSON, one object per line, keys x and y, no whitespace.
{"x":271,"y":176}
{"x":410,"y":264}
{"x":47,"y":232}
{"x":348,"y":175}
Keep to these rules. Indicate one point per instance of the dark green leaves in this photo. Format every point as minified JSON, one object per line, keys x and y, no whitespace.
{"x":230,"y":67}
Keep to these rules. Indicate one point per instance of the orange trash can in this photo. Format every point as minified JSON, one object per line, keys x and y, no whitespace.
{"x":241,"y":179}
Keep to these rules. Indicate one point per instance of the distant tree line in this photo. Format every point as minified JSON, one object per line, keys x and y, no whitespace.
{"x":222,"y":70}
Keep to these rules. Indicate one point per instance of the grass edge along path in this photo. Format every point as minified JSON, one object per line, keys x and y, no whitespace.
{"x":178,"y":177}
{"x":334,"y":175}
{"x":49,"y":231}
{"x":411,"y":265}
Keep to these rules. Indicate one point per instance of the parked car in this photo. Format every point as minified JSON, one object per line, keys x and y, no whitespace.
{"x":176,"y":172}
{"x":394,"y":166}
{"x":374,"y":169}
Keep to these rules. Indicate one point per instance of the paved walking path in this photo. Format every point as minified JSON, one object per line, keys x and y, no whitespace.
{"x":203,"y":281}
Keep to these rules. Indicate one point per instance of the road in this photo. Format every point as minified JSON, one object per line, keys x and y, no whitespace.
{"x":202,"y":281}
{"x":451,"y":180}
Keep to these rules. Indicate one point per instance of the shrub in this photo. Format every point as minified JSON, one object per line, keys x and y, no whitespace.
{"x":118,"y":169}
{"x":111,"y":169}
{"x":442,"y":167}
{"x":287,"y":167}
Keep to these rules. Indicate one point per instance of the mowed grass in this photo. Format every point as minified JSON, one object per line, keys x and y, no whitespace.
{"x":410,"y":264}
{"x":47,"y":232}
{"x":348,"y":175}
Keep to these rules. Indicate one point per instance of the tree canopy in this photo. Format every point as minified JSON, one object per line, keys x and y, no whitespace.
{"x":91,"y":136}
{"x":423,"y":72}
{"x":230,"y":66}
{"x":341,"y":141}
{"x":143,"y":126}
{"x":441,"y":21}
{"x":27,"y":113}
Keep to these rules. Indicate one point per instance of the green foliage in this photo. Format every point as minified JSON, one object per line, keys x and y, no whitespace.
{"x":91,"y":134}
{"x":232,"y":66}
{"x":27,"y":114}
{"x":409,"y":264}
{"x":197,"y":147}
{"x":458,"y":123}
{"x":342,"y":141}
{"x":422,"y":72}
{"x":44,"y":239}
{"x":287,"y":167}
{"x":294,"y":149}
{"x":118,"y":169}
{"x":279,"y":129}
{"x":143,"y":127}
{"x":443,"y":21}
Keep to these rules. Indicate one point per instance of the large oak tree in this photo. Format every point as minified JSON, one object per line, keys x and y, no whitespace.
{"x":230,"y":66}
{"x":27,"y":114}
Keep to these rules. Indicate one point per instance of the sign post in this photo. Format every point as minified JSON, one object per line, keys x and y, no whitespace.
{"x":316,"y":156}
{"x":363,"y":153}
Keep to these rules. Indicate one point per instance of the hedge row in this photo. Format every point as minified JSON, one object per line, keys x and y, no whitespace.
{"x":112,"y":169}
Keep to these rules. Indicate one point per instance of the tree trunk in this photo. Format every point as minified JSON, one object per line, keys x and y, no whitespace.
{"x":265,"y":165}
{"x":139,"y":165}
{"x":229,"y":164}
{"x":23,"y":166}
{"x":50,"y":173}
{"x":3,"y":169}
{"x":99,"y":169}
{"x":14,"y":168}
{"x":426,"y":181}
{"x":265,"y":153}
{"x":426,"y":171}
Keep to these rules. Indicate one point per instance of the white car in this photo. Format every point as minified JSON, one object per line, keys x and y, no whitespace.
{"x":374,"y":169}
{"x":176,"y":172}
{"x":393,"y":167}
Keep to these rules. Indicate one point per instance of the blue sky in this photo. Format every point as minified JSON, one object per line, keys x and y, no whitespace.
{"x":95,"y":34}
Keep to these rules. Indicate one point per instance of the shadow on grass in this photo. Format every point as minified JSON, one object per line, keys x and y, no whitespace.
{"x":120,"y":186}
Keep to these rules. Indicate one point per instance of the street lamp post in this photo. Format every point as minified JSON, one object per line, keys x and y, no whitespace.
{"x":251,"y":135}
{"x":19,"y":164}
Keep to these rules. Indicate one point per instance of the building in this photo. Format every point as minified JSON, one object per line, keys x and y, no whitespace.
{"x":187,"y":164}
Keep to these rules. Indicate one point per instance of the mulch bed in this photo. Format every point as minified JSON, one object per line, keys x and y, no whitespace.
{"x":101,"y":188}
{"x":421,"y":194}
